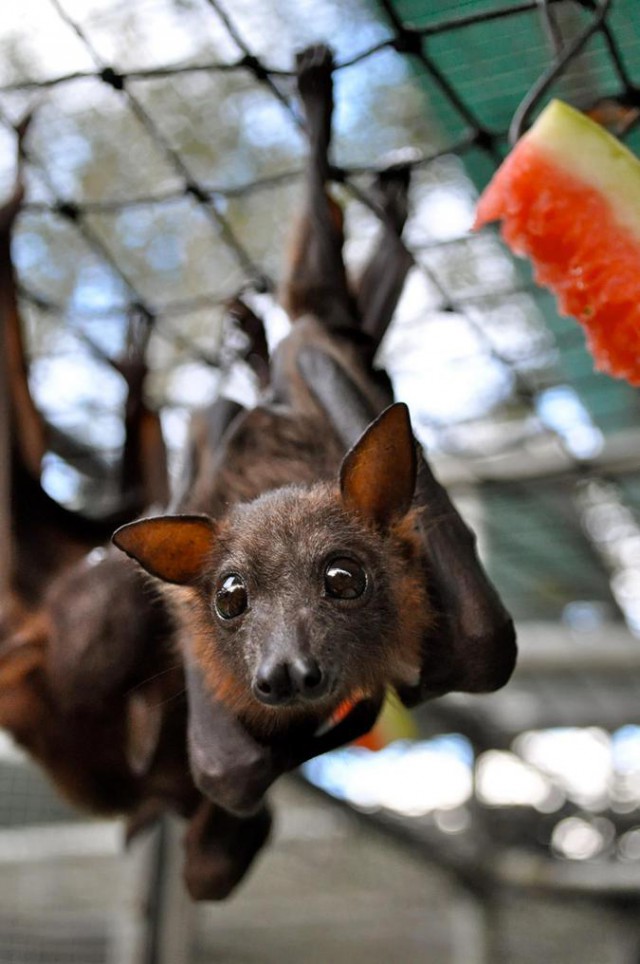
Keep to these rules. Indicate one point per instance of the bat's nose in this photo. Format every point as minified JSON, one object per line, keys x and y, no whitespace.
{"x":278,"y":682}
{"x":308,"y":678}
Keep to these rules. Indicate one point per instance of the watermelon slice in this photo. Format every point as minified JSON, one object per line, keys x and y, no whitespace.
{"x":568,"y":197}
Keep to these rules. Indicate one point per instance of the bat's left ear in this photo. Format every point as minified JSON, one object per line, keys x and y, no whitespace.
{"x":175,"y":548}
{"x":378,"y":475}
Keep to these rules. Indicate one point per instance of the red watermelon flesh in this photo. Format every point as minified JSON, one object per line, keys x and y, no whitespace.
{"x":395,"y":722}
{"x":568,"y":197}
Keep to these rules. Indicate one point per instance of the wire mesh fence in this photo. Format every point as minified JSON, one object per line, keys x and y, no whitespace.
{"x":163,"y":178}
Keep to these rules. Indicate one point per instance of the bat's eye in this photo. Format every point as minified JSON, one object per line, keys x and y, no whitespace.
{"x":231,"y":598}
{"x":344,"y":579}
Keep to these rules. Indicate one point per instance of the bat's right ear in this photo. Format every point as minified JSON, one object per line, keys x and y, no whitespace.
{"x":378,"y":475}
{"x":172,"y":547}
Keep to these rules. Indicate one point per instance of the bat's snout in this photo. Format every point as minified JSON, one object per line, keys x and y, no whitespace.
{"x":279,"y":682}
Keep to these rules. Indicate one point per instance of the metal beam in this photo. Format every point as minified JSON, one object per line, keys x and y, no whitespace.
{"x":551,"y":648}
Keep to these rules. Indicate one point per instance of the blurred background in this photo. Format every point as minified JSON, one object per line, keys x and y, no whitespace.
{"x":163,"y":175}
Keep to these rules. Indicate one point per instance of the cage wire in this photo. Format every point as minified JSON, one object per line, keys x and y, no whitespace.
{"x":467,"y":307}
{"x":163,"y":172}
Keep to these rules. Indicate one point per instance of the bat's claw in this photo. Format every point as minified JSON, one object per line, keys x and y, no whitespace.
{"x":391,"y":187}
{"x":314,"y":67}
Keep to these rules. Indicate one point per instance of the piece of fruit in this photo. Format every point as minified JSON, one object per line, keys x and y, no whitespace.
{"x":394,"y":723}
{"x":568,"y":197}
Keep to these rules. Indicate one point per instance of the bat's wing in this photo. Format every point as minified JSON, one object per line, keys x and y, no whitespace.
{"x":473,"y":648}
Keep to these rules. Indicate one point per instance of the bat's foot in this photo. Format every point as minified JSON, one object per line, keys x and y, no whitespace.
{"x":220,"y":848}
{"x":314,"y":67}
{"x":391,"y":187}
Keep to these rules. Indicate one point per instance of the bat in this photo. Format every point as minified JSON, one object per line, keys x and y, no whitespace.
{"x":314,"y":559}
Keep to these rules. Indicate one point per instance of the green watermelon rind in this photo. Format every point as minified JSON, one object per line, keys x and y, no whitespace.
{"x":589,"y":153}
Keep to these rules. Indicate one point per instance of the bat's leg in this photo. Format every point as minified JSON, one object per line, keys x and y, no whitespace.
{"x":257,"y":353}
{"x":384,"y":276}
{"x":316,"y":283}
{"x":28,"y":429}
{"x":473,"y":648}
{"x":144,"y":476}
{"x":103,"y":638}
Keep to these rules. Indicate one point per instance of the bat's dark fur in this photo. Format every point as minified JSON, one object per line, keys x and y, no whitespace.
{"x":94,"y":660}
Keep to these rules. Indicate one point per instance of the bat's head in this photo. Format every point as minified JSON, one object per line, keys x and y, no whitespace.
{"x":306,"y":596}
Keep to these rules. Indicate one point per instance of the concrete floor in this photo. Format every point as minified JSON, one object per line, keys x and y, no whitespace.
{"x":329,"y":890}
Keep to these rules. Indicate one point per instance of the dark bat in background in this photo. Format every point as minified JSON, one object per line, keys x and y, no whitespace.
{"x":90,"y":683}
{"x":315,"y":559}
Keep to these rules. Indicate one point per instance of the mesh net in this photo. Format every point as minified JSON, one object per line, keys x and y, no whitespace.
{"x":163,"y":171}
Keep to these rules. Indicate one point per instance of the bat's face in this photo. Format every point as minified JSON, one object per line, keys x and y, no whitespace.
{"x":304,"y":597}
{"x":303,"y":605}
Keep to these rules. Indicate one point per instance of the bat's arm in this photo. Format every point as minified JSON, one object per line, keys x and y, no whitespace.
{"x":232,"y":768}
